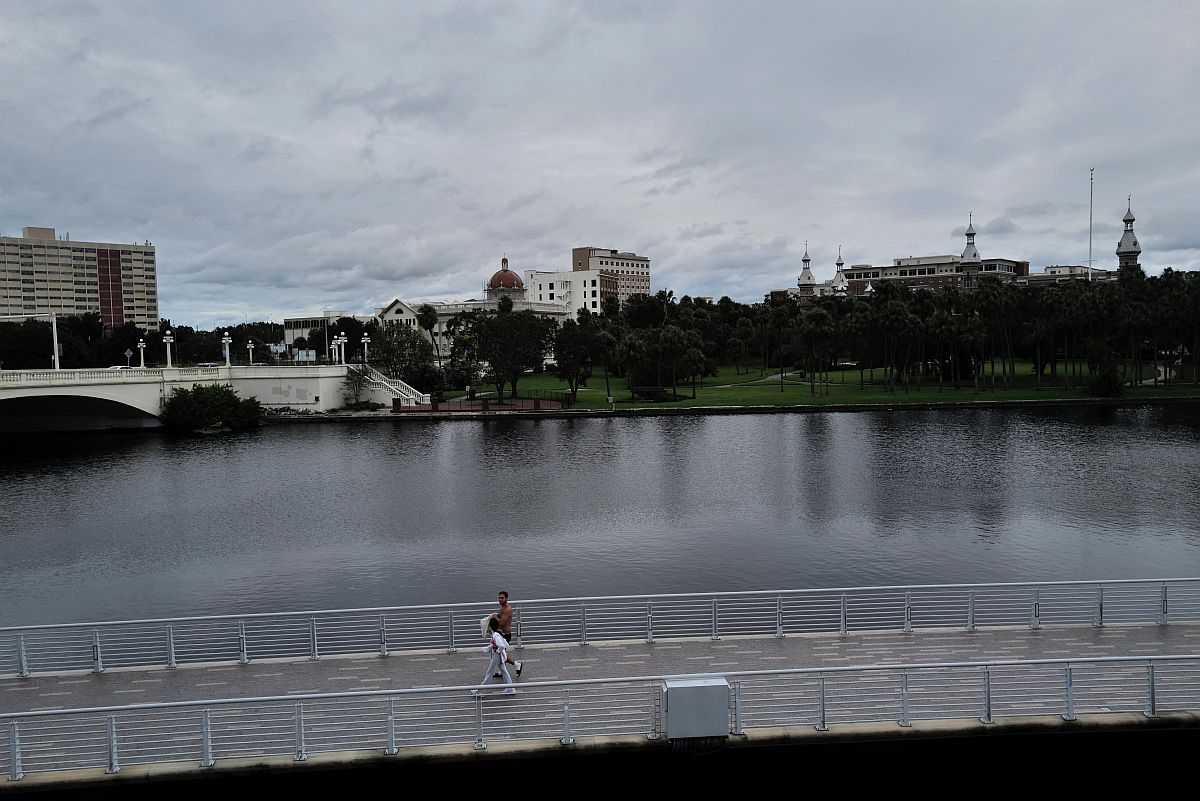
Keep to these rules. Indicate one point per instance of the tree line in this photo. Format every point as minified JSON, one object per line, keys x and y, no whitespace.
{"x":1099,"y":336}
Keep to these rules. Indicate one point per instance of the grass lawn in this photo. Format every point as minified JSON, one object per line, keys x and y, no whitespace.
{"x":731,"y":389}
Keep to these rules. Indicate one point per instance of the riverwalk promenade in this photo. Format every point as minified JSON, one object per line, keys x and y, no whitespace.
{"x":600,"y":673}
{"x":436,"y":667}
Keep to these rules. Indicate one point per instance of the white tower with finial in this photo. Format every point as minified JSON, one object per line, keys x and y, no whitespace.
{"x":806,"y":276}
{"x":1128,"y":249}
{"x":839,"y":279}
{"x":969,"y":264}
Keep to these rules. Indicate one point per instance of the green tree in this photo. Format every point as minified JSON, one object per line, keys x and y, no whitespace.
{"x":210,"y":406}
{"x":427,"y":318}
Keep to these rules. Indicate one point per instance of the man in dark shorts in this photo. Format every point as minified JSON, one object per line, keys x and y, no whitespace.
{"x":505,"y":618}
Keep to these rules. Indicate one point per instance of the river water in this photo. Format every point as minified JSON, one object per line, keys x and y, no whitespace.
{"x":104,"y":527}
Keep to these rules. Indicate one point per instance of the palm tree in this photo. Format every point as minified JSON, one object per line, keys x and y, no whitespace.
{"x":427,"y":318}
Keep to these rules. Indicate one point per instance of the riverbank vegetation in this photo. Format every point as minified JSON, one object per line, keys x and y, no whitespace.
{"x":208,"y":408}
{"x":1133,"y":335}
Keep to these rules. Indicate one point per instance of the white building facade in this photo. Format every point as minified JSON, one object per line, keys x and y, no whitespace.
{"x":578,"y":289}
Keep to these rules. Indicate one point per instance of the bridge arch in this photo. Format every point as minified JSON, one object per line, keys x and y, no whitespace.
{"x":59,"y":409}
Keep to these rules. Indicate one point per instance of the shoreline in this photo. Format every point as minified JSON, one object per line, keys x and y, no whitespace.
{"x":567,"y":414}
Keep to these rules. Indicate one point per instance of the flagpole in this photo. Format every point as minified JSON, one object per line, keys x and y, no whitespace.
{"x":1091,"y":196}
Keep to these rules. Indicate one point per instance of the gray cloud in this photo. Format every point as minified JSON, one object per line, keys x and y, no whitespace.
{"x":288,"y":158}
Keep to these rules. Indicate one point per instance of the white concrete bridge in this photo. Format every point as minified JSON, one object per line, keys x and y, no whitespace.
{"x":82,"y":400}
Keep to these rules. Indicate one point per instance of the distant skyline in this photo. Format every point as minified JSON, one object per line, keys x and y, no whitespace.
{"x":291,"y":157}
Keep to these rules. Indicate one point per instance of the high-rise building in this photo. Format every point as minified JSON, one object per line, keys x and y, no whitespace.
{"x":632,"y":270}
{"x":41,"y":272}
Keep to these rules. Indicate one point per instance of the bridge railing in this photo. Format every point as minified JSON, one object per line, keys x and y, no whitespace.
{"x":133,"y":375}
{"x":240,"y":638}
{"x":389,"y":721}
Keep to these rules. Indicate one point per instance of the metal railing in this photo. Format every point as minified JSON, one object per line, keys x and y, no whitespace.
{"x":386,"y":721}
{"x":172,"y":641}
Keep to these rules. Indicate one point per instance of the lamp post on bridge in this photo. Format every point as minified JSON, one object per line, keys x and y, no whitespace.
{"x":227,"y":341}
{"x":142,"y":353}
{"x":250,"y":347}
{"x":366,"y":340}
{"x":167,"y":340}
{"x":341,"y":340}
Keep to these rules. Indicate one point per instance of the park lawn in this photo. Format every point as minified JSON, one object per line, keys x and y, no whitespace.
{"x":726,"y":389}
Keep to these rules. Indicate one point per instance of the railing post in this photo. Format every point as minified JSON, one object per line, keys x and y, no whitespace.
{"x":313,"y":653}
{"x":737,"y":708}
{"x":987,"y":696}
{"x":97,"y":660}
{"x":517,"y":624}
{"x":450,"y":649}
{"x":383,"y":643}
{"x":301,"y":754}
{"x":779,"y":616}
{"x":821,"y":725}
{"x":655,"y":712}
{"x":904,"y":699}
{"x":114,"y":763}
{"x":907,"y":612}
{"x":583,"y":640}
{"x":480,"y":744}
{"x":171,"y":647}
{"x":1070,"y":713}
{"x":716,"y":631}
{"x":206,"y":757}
{"x":14,"y":747}
{"x":1099,"y":621}
{"x":649,"y":620}
{"x":1035,"y":614}
{"x":22,"y":662}
{"x":971,"y":610}
{"x":1162,"y":614}
{"x":842,"y":627}
{"x":1151,"y":700}
{"x":244,"y":655}
{"x":391,"y":730}
{"x":566,"y":738}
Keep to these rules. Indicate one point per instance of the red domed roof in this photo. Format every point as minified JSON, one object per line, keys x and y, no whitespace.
{"x":505,"y":278}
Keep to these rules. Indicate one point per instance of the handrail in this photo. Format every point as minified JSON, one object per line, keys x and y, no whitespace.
{"x":604,"y":598}
{"x":731,"y":674}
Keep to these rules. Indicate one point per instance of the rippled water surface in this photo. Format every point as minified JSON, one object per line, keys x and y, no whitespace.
{"x":108,"y":527}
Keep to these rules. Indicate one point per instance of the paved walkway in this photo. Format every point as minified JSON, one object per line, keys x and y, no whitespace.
{"x":438,"y":668}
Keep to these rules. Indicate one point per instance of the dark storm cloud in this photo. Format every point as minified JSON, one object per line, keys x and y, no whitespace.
{"x":289,"y":157}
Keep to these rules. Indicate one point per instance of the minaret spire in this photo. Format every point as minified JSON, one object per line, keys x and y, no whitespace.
{"x":806,"y":276}
{"x":839,"y":279}
{"x":1128,"y":249}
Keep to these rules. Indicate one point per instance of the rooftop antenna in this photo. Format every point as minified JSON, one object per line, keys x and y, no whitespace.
{"x":1091,"y":196}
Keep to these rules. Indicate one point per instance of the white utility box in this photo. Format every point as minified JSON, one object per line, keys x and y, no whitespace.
{"x":696,"y":708}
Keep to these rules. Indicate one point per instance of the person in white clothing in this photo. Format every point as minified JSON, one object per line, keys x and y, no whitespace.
{"x":497,"y":648}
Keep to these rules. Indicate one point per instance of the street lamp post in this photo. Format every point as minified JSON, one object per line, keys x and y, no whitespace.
{"x":142,"y":353}
{"x":167,"y":340}
{"x":342,"y":340}
{"x":250,"y":347}
{"x":366,"y":340}
{"x":227,"y":341}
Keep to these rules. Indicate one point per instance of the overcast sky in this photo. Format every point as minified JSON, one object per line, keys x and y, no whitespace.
{"x":292,"y":157}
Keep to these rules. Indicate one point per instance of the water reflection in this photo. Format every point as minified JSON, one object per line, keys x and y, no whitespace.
{"x":412,"y":512}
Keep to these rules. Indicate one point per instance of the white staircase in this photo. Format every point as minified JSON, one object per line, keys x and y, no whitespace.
{"x":379,"y":383}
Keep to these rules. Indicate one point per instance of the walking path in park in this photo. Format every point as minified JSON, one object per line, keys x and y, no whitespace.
{"x":437,"y":668}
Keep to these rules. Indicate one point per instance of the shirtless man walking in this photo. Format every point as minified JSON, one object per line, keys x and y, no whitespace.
{"x":504,"y":617}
